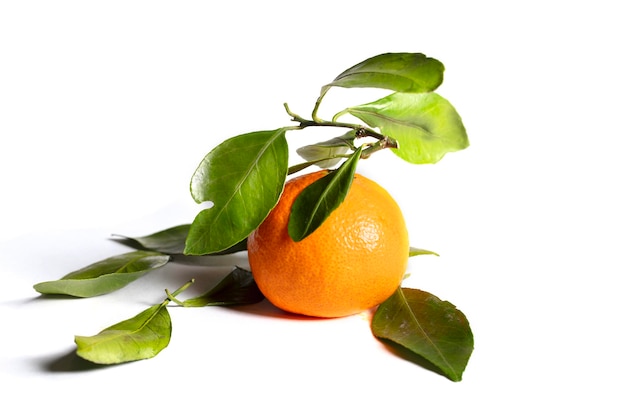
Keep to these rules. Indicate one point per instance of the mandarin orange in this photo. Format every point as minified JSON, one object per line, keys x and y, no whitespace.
{"x":354,"y":261}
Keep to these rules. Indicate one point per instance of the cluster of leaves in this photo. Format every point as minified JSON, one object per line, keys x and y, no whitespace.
{"x":243,"y":178}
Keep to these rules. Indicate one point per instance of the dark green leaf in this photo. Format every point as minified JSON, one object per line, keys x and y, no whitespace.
{"x":415,"y":252}
{"x":424,"y":125}
{"x":237,"y":247}
{"x":299,"y":167}
{"x":237,"y":288}
{"x":243,"y":177}
{"x":105,"y":276}
{"x":140,"y":337}
{"x":170,"y":241}
{"x":315,"y":203}
{"x":429,"y":327}
{"x":406,"y":72}
{"x":328,"y":154}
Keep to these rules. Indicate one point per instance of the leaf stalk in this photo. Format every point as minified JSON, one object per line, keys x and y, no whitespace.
{"x":171,"y":296}
{"x":361,"y":131}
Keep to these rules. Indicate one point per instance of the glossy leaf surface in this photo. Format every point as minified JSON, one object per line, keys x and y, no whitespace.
{"x":105,"y":276}
{"x":315,"y":202}
{"x":140,"y":337}
{"x":429,"y":327}
{"x":425,"y":126}
{"x":238,"y":287}
{"x":405,"y":72}
{"x":243,"y":177}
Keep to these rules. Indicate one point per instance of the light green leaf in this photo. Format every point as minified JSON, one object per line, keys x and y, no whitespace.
{"x":406,"y":72}
{"x":425,"y":125}
{"x":243,"y":177}
{"x":315,"y":202}
{"x":140,"y":337}
{"x":327,"y":154}
{"x":237,"y":288}
{"x":431,"y":328}
{"x":105,"y":276}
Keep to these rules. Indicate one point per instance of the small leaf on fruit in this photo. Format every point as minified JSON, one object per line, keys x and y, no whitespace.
{"x":427,"y":326}
{"x":105,"y":276}
{"x":315,"y":202}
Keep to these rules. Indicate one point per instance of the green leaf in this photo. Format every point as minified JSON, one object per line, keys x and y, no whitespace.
{"x":237,"y":288}
{"x":237,"y":247}
{"x":243,"y":177}
{"x":315,"y":202}
{"x":424,"y":125}
{"x":427,"y":326}
{"x":299,"y":167}
{"x":405,"y":72}
{"x":172,"y":242}
{"x":140,"y":337}
{"x":328,"y":154}
{"x":105,"y":276}
{"x":415,"y":252}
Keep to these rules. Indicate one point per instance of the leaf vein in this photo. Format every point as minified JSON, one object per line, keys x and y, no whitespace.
{"x":423,"y":331}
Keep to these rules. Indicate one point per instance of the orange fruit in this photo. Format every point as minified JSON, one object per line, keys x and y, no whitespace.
{"x":354,"y":261}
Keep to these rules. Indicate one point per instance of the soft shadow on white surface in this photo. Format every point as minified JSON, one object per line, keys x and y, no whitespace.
{"x":107,"y":108}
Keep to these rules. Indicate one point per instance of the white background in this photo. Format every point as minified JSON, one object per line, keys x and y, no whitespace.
{"x":106,"y":108}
